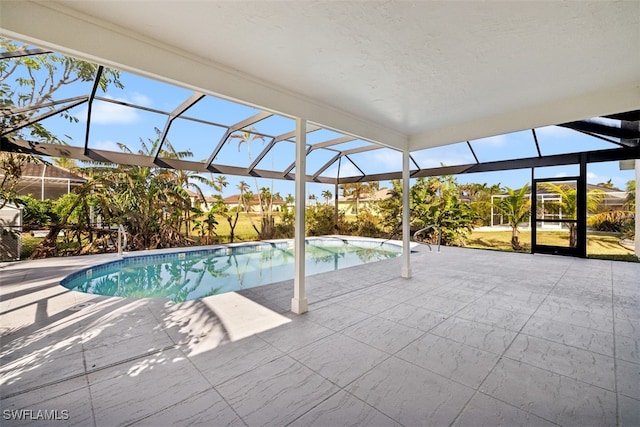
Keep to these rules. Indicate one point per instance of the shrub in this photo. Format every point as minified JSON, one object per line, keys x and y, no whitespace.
{"x":612,"y":221}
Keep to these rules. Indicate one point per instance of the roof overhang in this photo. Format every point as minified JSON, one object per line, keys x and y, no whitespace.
{"x":407,"y":75}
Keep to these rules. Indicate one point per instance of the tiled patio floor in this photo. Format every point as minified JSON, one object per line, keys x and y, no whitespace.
{"x":473,"y":338}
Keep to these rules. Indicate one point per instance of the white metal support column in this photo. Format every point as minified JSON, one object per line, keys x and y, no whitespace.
{"x":406,"y":229}
{"x":299,"y":301}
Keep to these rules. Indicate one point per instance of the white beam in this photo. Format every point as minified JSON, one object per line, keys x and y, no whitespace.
{"x":406,"y":229}
{"x":299,"y":301}
{"x":612,"y":100}
{"x":56,"y":27}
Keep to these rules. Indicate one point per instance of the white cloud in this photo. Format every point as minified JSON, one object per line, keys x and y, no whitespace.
{"x":346,"y":169}
{"x":492,"y":141}
{"x":383,"y":159}
{"x":427,"y":160}
{"x":141,"y":99}
{"x":105,"y":145}
{"x":108,"y":113}
{"x":553,"y":131}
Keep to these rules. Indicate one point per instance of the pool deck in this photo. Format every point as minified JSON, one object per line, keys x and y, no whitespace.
{"x":473,"y":338}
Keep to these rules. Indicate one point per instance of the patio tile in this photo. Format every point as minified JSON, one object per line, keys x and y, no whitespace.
{"x":276,"y":393}
{"x":294,"y":335}
{"x":450,"y":359}
{"x":629,"y":411}
{"x":391,"y":293}
{"x":411,"y":395}
{"x":582,"y":365}
{"x":436,"y":303}
{"x":458,"y":293}
{"x":629,"y":299}
{"x":551,"y":396}
{"x":234,"y":359}
{"x":483,"y":410}
{"x":582,"y":303}
{"x":626,"y":312}
{"x":508,"y":302}
{"x":105,"y":352}
{"x":364,"y":302}
{"x":499,"y":317}
{"x":628,"y":375}
{"x":572,"y":335}
{"x":344,"y":409}
{"x":190,"y":322}
{"x":382,"y":334}
{"x":415,"y":317}
{"x":37,"y":368}
{"x":335,"y":317}
{"x":333,"y":357}
{"x":71,"y":396}
{"x":128,"y":392}
{"x":417,"y":283}
{"x":490,"y":338}
{"x":627,"y":327}
{"x":206,"y":408}
{"x":625,"y":271}
{"x":587,"y":319}
{"x":628,"y":349}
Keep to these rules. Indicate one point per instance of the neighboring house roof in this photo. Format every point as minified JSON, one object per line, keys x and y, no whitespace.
{"x":32,"y":171}
{"x":382,"y":194}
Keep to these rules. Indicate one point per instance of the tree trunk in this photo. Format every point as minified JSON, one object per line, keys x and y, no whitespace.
{"x":573,"y":236}
{"x":515,"y":243}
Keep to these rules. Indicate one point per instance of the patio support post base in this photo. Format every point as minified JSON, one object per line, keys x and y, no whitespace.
{"x":299,"y":306}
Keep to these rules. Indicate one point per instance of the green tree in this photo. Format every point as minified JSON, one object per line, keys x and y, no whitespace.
{"x":206,"y":226}
{"x":326,"y":195}
{"x":28,"y":85}
{"x":516,"y":208}
{"x":569,"y":205}
{"x":36,"y":213}
{"x":433,"y":202}
{"x":356,"y":191}
{"x":479,"y":198}
{"x":630,"y":200}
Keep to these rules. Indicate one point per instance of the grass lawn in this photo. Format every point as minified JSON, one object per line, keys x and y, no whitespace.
{"x":29,"y":243}
{"x":599,"y":245}
{"x":243,"y":231}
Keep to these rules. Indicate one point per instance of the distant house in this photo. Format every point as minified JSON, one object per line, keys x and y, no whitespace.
{"x":45,"y":181}
{"x":613,"y":199}
{"x":367,"y":201}
{"x":252,"y":205}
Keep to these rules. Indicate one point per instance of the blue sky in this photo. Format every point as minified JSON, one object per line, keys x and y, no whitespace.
{"x":113,"y":124}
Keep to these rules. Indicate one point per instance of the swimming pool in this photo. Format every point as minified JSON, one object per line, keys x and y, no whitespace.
{"x":194,"y":274}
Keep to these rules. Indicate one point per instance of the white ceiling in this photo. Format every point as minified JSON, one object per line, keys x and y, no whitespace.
{"x":408,"y":74}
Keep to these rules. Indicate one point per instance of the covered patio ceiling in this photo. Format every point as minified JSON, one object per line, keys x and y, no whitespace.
{"x":406,"y":75}
{"x":618,"y":136}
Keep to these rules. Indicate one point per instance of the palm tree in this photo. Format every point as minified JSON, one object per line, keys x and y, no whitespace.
{"x":327,"y":195}
{"x":630,"y":200}
{"x":479,"y":198}
{"x":356,"y":191}
{"x":516,"y":207}
{"x":66,"y":163}
{"x":569,"y":204}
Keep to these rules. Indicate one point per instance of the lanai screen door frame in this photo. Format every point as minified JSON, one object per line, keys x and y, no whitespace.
{"x":580,"y":250}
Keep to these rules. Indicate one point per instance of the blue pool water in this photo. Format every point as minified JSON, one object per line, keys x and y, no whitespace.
{"x":183,"y":276}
